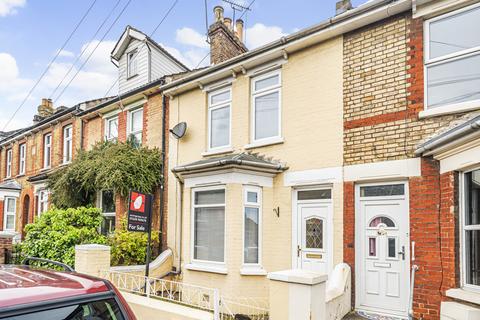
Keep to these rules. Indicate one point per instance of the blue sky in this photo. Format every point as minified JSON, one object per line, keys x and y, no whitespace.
{"x":32,"y":32}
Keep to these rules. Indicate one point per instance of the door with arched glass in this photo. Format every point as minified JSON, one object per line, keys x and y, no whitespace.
{"x":383,"y":252}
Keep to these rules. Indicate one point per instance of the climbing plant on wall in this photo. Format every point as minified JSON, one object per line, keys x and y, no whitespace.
{"x":116,"y":166}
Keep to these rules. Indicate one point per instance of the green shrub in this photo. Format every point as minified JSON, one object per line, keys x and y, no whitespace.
{"x":129,"y":248}
{"x":56,"y":232}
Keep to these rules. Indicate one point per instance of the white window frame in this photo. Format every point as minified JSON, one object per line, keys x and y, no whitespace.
{"x":100,"y":205}
{"x":108,"y":136}
{"x":448,"y":107}
{"x":132,"y":58}
{"x":213,"y":107}
{"x":463,"y":228}
{"x":130,"y":123}
{"x":67,"y":144}
{"x":192,"y":227}
{"x":8,"y":173}
{"x":258,"y":205}
{"x":42,"y":201}
{"x":263,"y":92}
{"x":6,"y":213}
{"x":22,"y":162}
{"x":47,"y":161}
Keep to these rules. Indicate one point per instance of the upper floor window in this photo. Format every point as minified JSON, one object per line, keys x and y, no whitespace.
{"x":47,"y":150}
{"x":132,"y":58}
{"x":22,"y":150}
{"x":111,"y":128}
{"x":219,"y":103}
{"x":135,"y":125}
{"x":9,"y":163}
{"x":266,"y":91}
{"x":9,"y":214}
{"x":67,"y":144}
{"x":452,"y":58}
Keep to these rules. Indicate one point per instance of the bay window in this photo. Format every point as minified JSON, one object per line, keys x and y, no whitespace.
{"x":67,"y":144}
{"x":251,"y":225}
{"x":452,"y":59}
{"x":209,"y":224}
{"x":47,"y":151}
{"x":135,"y":125}
{"x":22,"y":151}
{"x":111,"y":129}
{"x":42,"y":202}
{"x":471,"y":229}
{"x":9,"y":163}
{"x":9,"y":214}
{"x":266,"y":117}
{"x":106,"y":203}
{"x":219,"y":119}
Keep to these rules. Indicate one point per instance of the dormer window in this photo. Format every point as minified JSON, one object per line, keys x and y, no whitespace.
{"x":132,"y":63}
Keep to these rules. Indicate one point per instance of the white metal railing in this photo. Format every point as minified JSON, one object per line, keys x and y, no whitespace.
{"x":194,"y":296}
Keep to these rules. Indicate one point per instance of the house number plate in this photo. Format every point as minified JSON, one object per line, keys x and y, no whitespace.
{"x":314,"y":256}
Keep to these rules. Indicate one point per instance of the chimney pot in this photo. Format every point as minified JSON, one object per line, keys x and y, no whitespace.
{"x":45,"y":109}
{"x":218,"y":11}
{"x":228,"y":23}
{"x":239,"y":29}
{"x":342,"y":6}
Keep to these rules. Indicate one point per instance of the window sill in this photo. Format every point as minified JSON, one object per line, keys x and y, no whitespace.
{"x":253,"y":271}
{"x":215,"y":152}
{"x":449,"y":109}
{"x":132,"y":76}
{"x":220,"y":269}
{"x":464,"y":295}
{"x":45,"y":169}
{"x":264,"y":143}
{"x":20,"y":175}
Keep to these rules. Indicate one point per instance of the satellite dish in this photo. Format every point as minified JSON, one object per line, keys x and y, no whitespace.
{"x":179,"y":130}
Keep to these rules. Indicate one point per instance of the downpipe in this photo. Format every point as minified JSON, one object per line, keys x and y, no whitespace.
{"x":412,"y":284}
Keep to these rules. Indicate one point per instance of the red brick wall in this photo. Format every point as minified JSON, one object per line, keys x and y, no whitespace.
{"x":433,"y":227}
{"x":349,"y":230}
{"x":5,"y":244}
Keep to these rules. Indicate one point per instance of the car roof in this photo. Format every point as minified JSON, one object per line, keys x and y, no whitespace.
{"x":26,"y":284}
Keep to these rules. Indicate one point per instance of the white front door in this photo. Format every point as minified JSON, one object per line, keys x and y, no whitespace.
{"x":314,"y":230}
{"x":382,"y":239}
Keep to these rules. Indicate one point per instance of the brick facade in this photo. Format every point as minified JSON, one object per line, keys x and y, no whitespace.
{"x":383,"y":96}
{"x":5,"y":245}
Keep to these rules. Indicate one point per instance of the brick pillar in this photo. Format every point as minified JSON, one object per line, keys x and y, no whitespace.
{"x":5,"y":244}
{"x":349,"y":230}
{"x":92,"y":259}
{"x":434,"y":228}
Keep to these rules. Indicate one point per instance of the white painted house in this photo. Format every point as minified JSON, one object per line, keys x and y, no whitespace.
{"x":141,"y":60}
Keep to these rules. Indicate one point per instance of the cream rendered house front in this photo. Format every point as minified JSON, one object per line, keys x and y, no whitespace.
{"x":256,"y":181}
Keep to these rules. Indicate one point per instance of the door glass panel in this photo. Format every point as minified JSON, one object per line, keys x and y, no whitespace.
{"x":314,"y":233}
{"x":382,"y":191}
{"x":372,"y":247}
{"x":392,"y":248}
{"x":315,"y":194}
{"x":381,"y":220}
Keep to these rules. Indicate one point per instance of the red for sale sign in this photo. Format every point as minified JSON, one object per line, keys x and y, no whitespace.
{"x":139,"y":211}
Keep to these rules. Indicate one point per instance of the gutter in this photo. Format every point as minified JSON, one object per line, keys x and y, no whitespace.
{"x":353,"y":19}
{"x":449,"y":136}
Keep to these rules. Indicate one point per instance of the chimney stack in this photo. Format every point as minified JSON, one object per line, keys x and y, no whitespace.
{"x":342,"y":6}
{"x":225,"y":43}
{"x":46,"y":108}
{"x":239,"y":29}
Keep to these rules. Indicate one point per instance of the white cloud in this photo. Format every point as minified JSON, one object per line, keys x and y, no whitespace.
{"x":191,"y":37}
{"x":92,"y":82}
{"x":65,"y":53}
{"x":261,"y":34}
{"x":9,"y":7}
{"x":191,"y":57}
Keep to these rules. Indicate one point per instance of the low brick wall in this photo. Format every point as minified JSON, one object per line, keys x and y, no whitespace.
{"x":5,"y":245}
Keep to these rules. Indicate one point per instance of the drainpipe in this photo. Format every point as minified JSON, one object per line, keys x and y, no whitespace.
{"x":162,"y":190}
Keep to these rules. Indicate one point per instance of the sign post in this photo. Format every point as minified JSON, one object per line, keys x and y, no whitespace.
{"x":140,"y":220}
